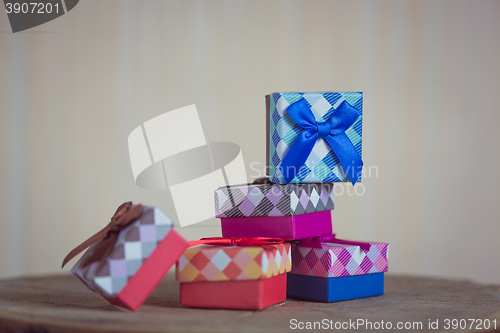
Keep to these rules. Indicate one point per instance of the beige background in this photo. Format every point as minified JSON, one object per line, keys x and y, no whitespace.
{"x":73,"y":89}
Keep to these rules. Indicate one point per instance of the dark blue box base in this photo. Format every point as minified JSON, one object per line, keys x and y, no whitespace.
{"x":322,"y":289}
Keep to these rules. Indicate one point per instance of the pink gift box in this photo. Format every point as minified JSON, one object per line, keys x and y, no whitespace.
{"x":286,"y":227}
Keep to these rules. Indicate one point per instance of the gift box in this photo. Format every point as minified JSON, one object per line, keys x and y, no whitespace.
{"x":314,"y":137}
{"x":233,"y":277}
{"x":272,"y":199}
{"x":128,"y":258}
{"x":330,"y":269}
{"x":287,"y":227}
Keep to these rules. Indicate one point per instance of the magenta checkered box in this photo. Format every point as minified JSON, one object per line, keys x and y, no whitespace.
{"x":337,"y":260}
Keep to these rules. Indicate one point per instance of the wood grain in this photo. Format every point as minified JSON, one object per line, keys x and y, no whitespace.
{"x":61,"y":303}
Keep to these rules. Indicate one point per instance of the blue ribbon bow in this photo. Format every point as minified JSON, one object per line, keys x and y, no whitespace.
{"x":332,"y":130}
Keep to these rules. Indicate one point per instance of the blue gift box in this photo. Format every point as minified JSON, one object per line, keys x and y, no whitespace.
{"x":322,"y":289}
{"x":314,"y":137}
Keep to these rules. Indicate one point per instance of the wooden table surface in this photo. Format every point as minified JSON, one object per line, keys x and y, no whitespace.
{"x":60,"y":303}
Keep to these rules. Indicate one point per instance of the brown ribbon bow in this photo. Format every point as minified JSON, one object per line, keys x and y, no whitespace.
{"x":122,"y":218}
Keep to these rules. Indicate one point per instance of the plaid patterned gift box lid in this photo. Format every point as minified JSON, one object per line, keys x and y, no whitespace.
{"x":336,"y":260}
{"x":134,"y":245}
{"x":273,"y":199}
{"x":322,"y":164}
{"x":233,"y":263}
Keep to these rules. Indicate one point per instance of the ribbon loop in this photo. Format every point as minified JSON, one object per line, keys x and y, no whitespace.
{"x":106,"y":238}
{"x":114,"y":229}
{"x":331,"y":130}
{"x":315,"y":242}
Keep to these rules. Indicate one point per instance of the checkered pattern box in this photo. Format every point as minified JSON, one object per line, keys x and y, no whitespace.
{"x":233,"y":277}
{"x":337,"y":260}
{"x":233,"y":263}
{"x":337,"y":271}
{"x":273,"y":200}
{"x":143,"y":253}
{"x":322,"y":164}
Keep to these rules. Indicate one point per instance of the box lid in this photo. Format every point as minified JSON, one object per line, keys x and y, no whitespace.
{"x":336,"y":260}
{"x":273,"y":199}
{"x":233,"y":263}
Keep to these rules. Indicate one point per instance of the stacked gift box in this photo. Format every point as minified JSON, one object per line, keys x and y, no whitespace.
{"x":328,"y":269}
{"x":317,"y":137}
{"x":288,"y":211}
